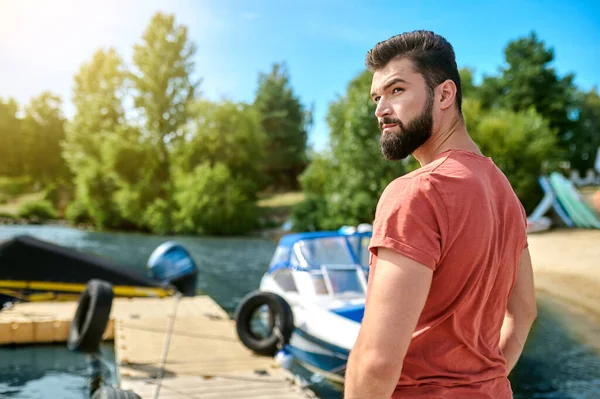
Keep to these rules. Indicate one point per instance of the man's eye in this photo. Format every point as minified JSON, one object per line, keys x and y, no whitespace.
{"x":376,"y":99}
{"x":398,"y":90}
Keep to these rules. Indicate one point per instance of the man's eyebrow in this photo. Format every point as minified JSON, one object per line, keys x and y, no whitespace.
{"x":390,"y":83}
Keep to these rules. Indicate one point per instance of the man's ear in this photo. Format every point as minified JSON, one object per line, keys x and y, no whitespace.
{"x":447,"y":92}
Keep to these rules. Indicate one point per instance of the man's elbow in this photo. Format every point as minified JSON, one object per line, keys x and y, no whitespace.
{"x":525,"y":317}
{"x":529,"y":313}
{"x":381,"y":366}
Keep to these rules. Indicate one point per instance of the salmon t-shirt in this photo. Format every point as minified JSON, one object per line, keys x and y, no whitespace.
{"x":460,"y":217}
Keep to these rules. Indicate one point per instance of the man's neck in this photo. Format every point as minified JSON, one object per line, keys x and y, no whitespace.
{"x":452,"y":136}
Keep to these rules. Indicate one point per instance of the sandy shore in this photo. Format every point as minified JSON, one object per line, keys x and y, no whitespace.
{"x":566,"y":265}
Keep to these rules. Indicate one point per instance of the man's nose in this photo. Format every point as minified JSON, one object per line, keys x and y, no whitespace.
{"x":383,"y":108}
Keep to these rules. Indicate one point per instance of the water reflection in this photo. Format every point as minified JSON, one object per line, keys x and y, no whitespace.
{"x":561,"y":359}
{"x":48,"y":371}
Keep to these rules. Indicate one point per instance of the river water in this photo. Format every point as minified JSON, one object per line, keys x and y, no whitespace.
{"x":561,"y":359}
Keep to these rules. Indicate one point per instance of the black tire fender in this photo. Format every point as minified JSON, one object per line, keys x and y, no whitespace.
{"x":91,"y":317}
{"x":107,"y":392}
{"x":282,"y":316}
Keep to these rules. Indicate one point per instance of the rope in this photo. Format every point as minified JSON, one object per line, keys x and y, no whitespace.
{"x":112,"y":369}
{"x":95,"y":367}
{"x":174,"y":391}
{"x":165,"y":352}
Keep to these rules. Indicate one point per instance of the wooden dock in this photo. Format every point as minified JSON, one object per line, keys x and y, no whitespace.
{"x":205,"y":358}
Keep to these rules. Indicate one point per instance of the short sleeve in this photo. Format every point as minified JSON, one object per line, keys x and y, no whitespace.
{"x":409,"y":220}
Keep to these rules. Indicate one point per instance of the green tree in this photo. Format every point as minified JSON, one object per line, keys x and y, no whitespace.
{"x":585,"y":140}
{"x":227,"y":133}
{"x":11,"y":139}
{"x":285,"y":122}
{"x":98,"y":99}
{"x":529,"y":81}
{"x":315,"y":177}
{"x":133,"y":164}
{"x":163,"y":90}
{"x":356,"y":171}
{"x":469,"y":89}
{"x":44,"y":129}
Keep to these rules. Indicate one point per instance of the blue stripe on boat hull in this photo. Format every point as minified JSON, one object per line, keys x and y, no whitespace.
{"x":317,"y":360}
{"x":323,"y":344}
{"x":332,"y":361}
{"x":354,"y":313}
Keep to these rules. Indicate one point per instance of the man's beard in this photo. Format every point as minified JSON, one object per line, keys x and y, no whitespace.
{"x":402,"y":141}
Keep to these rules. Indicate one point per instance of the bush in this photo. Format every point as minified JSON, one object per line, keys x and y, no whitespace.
{"x":3,"y":199}
{"x":212,"y":201}
{"x":77,"y":213}
{"x":311,"y":214}
{"x":6,"y":215}
{"x":52,"y":194}
{"x":94,"y":190}
{"x":315,"y":177}
{"x":15,"y":185}
{"x":41,"y":209}
{"x":157,"y":216}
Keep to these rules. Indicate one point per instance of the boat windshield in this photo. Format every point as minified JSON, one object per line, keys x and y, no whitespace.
{"x":335,"y":280}
{"x":360,"y":246}
{"x":328,"y":250}
{"x":281,"y":255}
{"x":345,"y":281}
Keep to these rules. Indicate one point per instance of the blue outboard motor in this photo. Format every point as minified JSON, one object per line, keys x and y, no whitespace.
{"x":171,"y":263}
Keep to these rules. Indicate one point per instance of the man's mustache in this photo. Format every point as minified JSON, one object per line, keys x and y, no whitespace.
{"x":390,"y":121}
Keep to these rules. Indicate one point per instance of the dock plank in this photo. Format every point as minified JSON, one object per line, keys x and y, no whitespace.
{"x":205,"y":357}
{"x":46,"y":322}
{"x":221,"y":387}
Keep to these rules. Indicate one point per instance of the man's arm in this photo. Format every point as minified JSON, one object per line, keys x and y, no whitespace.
{"x":398,"y":291}
{"x":521,"y":311}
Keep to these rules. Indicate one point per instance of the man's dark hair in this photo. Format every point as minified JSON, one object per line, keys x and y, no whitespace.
{"x":432,"y":56}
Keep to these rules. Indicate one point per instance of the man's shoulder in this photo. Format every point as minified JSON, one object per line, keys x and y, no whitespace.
{"x":416,"y":187}
{"x":451,"y":170}
{"x":447,"y":176}
{"x":419,"y":179}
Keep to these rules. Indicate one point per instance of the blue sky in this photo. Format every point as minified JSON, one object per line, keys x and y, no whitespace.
{"x":43,"y":43}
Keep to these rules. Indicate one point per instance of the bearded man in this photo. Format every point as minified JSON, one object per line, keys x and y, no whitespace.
{"x":450,"y":298}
